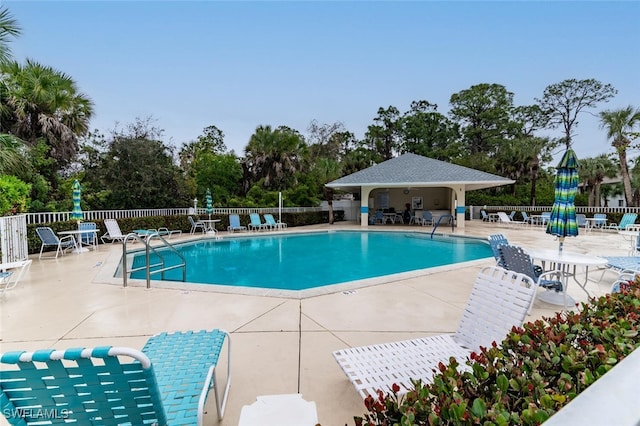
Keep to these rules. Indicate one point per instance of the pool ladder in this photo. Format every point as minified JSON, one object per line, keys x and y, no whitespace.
{"x":451,"y":219}
{"x":133,"y":237}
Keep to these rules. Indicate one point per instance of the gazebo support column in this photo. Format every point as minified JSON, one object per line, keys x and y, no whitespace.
{"x":459,"y":207}
{"x":364,"y":205}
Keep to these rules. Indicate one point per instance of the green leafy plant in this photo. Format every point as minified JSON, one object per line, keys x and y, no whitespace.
{"x":536,"y":370}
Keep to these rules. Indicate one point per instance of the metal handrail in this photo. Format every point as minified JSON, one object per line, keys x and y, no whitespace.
{"x":451,"y":219}
{"x":148,"y":249}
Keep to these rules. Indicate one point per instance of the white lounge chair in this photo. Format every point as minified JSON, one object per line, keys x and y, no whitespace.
{"x":498,"y":301}
{"x":195,"y":224}
{"x":113,"y":231}
{"x":164,"y":231}
{"x":503,"y":218}
{"x":11,"y":274}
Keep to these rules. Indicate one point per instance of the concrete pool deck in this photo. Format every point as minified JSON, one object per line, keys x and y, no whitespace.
{"x":280,"y":345}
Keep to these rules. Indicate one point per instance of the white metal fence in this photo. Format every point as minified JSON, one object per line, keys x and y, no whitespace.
{"x":540,"y":209}
{"x":13,"y":238}
{"x":50,"y":217}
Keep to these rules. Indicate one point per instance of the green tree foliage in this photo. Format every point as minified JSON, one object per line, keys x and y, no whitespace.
{"x":211,"y":140}
{"x":14,"y":195}
{"x":383,"y":136}
{"x":563,"y":102}
{"x":424,"y":131}
{"x":484,"y":114}
{"x":9,"y":29}
{"x":135,"y":171}
{"x":12,"y":155}
{"x":274,"y":157}
{"x":521,"y":155}
{"x":44,"y":103}
{"x":592,"y":172}
{"x":222,"y":173}
{"x":621,"y":129}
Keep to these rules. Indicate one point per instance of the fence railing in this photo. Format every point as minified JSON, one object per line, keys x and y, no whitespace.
{"x":89,"y":215}
{"x":579,"y":209}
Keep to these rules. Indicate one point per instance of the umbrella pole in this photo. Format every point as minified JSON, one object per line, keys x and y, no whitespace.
{"x":561,"y":240}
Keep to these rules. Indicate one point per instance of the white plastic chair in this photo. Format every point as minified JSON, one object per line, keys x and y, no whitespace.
{"x":11,"y":274}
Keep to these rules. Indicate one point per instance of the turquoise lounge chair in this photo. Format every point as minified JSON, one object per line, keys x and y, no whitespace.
{"x":257,"y":224}
{"x":628,"y":219}
{"x":269,"y":219}
{"x":234,"y":224}
{"x":165,"y":384}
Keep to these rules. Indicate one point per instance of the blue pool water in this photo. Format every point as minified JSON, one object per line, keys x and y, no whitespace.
{"x":304,"y":261}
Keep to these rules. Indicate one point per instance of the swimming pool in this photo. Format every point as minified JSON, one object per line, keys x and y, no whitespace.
{"x":311,"y":260}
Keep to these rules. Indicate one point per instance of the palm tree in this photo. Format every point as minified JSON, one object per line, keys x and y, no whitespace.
{"x":12,"y":160}
{"x":275,"y":156}
{"x":620,"y":126}
{"x":8,"y":28}
{"x":42,"y":102}
{"x":592,"y":172}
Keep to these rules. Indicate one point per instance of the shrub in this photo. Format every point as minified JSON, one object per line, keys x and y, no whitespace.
{"x":538,"y":369}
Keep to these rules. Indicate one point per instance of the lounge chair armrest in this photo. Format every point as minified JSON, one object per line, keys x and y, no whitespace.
{"x":67,"y":239}
{"x":221,"y":404}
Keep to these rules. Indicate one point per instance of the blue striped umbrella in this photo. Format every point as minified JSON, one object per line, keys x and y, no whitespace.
{"x":563,"y":213}
{"x":209,"y":206}
{"x":76,"y":214}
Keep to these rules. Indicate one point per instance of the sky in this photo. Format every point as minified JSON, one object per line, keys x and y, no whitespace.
{"x":241,"y":64}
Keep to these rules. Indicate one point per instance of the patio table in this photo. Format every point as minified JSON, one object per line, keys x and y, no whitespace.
{"x":77,"y":238}
{"x":592,"y":222}
{"x":210,"y":225}
{"x":566,"y":262}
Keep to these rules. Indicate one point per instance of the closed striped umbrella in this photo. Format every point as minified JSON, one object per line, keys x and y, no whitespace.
{"x":76,"y":214}
{"x":209,"y":204}
{"x":563,"y":213}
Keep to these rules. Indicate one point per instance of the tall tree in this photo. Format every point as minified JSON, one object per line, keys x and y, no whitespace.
{"x":529,"y":119}
{"x":211,"y":140}
{"x":424,"y":131}
{"x":382,"y":136}
{"x":222,"y":173}
{"x":136,"y":171}
{"x":331,"y":141}
{"x":484,"y":114}
{"x":592,"y":172}
{"x":563,"y":102}
{"x":520,"y":158}
{"x":620,"y":125}
{"x":9,"y":29}
{"x":275,"y":157}
{"x":42,"y":102}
